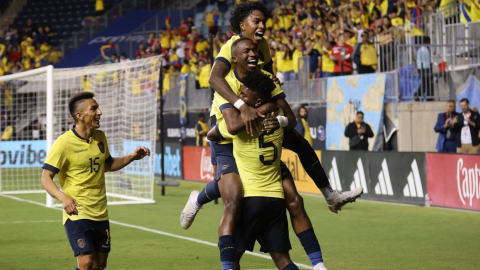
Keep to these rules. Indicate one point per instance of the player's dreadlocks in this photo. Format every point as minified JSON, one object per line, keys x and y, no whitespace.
{"x":260,"y":83}
{"x":242,"y":11}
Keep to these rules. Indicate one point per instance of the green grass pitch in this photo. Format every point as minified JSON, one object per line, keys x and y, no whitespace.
{"x":365,"y":235}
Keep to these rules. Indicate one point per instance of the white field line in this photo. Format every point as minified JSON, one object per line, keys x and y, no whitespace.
{"x":303,"y":266}
{"x":30,"y":221}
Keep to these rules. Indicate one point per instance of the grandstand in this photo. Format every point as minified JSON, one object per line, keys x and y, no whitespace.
{"x":398,"y":61}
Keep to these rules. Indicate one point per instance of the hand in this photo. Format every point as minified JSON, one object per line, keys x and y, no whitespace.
{"x":455,"y":120}
{"x":251,"y":118}
{"x":276,"y":80}
{"x":140,"y":153}
{"x":470,"y":122}
{"x":361,"y":131}
{"x":271,"y":124}
{"x":69,"y":205}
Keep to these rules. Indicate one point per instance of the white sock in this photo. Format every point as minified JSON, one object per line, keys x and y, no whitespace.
{"x":327,"y":192}
{"x":319,"y":266}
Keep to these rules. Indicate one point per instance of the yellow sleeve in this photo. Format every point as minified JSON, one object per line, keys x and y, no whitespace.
{"x":222,"y":131}
{"x":225,"y":54}
{"x":57,"y":156}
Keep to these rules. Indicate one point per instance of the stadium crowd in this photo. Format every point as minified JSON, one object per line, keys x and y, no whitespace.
{"x":337,"y":36}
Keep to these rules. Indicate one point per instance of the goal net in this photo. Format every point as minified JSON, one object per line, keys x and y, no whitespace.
{"x":34,"y":112}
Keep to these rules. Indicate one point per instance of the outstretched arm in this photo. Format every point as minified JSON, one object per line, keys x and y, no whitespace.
{"x":118,"y":163}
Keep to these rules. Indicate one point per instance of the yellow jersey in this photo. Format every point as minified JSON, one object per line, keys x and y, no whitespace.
{"x":258,"y":161}
{"x":201,"y":126}
{"x":79,"y":164}
{"x":296,"y":54}
{"x":219,"y":103}
{"x":204,"y":75}
{"x":225,"y":54}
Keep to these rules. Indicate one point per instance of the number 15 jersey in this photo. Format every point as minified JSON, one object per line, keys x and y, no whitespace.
{"x":80,"y":166}
{"x":258,"y":161}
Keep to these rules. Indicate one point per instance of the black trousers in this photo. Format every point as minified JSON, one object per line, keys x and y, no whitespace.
{"x":426,"y":86}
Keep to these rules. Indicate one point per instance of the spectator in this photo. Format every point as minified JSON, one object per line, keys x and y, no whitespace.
{"x":328,"y":65}
{"x":180,"y":48}
{"x":423,"y":67}
{"x":110,"y":60}
{"x":201,"y":130}
{"x":467,"y":124}
{"x":447,"y":135}
{"x":99,"y":8}
{"x":358,"y":133}
{"x":302,"y":124}
{"x":203,"y":73}
{"x":202,"y":45}
{"x":313,"y":54}
{"x":286,"y":57}
{"x":365,"y":56}
{"x":124,"y":58}
{"x":297,"y":53}
{"x":141,"y":51}
{"x":342,"y":56}
{"x":185,"y":67}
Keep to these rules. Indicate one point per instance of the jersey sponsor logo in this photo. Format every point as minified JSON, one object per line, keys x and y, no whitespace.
{"x":414,"y":186}
{"x":468,"y":183}
{"x":79,"y":151}
{"x":384,"y":185}
{"x":359,"y":179}
{"x":101,"y":147}
{"x":334,"y":177}
{"x":81,"y":243}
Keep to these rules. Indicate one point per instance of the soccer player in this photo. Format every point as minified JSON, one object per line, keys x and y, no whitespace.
{"x":246,"y":57}
{"x":258,"y":161}
{"x":81,"y":157}
{"x":248,"y":20}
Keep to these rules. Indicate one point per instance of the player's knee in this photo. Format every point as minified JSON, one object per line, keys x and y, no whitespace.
{"x":233,"y":203}
{"x":85,"y":263}
{"x":295,"y":206}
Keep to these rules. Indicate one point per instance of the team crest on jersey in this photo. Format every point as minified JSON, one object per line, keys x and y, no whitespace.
{"x":81,"y":243}
{"x":101,"y":147}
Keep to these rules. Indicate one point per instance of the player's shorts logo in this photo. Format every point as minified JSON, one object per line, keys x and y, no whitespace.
{"x":81,"y":243}
{"x":101,"y":147}
{"x":224,"y":167}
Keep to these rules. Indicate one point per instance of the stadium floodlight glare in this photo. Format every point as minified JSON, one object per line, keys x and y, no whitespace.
{"x":35,"y":112}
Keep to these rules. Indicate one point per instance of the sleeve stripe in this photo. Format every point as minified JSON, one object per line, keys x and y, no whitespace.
{"x":279,"y":96}
{"x":49,"y":167}
{"x":218,"y":133}
{"x":225,"y":61}
{"x":269,"y":64}
{"x":226,"y":106}
{"x":109,"y":159}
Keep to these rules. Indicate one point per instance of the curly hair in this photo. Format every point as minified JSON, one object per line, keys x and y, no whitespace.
{"x":260,"y":83}
{"x":242,"y":11}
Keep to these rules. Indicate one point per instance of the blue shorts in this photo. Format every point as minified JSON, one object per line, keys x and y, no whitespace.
{"x":225,"y":160}
{"x":213,"y":122}
{"x":264,"y":220}
{"x":86,"y":236}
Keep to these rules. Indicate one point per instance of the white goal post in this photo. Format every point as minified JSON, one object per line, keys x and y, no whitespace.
{"x":34,"y":112}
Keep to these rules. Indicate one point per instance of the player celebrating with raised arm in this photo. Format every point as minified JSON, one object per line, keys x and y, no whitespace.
{"x":263,"y":217}
{"x":245,"y":56}
{"x":81,"y":157}
{"x":248,"y":20}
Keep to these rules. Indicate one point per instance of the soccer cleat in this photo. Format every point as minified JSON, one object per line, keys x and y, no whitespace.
{"x":320,"y":266}
{"x":190,"y":210}
{"x":341,"y":198}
